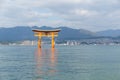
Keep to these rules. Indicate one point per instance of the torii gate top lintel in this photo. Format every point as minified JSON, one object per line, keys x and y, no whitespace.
{"x":48,"y":33}
{"x":38,"y":30}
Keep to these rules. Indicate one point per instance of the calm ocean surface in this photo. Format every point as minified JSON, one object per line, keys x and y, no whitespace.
{"x":62,"y":63}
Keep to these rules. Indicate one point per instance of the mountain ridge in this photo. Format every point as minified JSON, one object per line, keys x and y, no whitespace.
{"x":21,"y":33}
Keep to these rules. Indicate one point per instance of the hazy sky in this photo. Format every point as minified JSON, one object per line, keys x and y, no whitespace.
{"x":87,"y":14}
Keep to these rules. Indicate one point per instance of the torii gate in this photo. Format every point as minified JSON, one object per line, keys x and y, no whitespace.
{"x":48,"y":33}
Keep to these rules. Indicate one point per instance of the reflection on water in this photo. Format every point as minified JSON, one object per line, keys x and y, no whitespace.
{"x":65,"y":63}
{"x":46,"y":60}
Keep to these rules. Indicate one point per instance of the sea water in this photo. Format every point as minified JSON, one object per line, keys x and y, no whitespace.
{"x":85,"y":62}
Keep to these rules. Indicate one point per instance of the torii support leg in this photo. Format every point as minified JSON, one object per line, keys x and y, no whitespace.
{"x":53,"y":41}
{"x":39,"y":42}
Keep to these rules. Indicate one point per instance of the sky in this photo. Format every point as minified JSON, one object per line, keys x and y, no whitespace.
{"x":94,"y":15}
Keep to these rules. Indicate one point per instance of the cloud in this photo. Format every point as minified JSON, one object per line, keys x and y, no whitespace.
{"x":87,"y":14}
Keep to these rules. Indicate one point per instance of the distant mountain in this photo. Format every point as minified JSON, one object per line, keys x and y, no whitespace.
{"x":74,"y":34}
{"x":42,"y":27}
{"x":25,"y":33}
{"x":16,"y":34}
{"x":109,"y":33}
{"x":20,"y":33}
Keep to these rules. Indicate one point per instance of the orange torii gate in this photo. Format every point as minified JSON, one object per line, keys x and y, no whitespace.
{"x":44,"y":33}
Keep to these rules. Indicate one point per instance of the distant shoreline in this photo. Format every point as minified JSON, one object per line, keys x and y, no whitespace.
{"x":66,"y":42}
